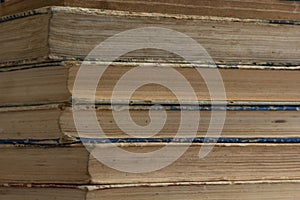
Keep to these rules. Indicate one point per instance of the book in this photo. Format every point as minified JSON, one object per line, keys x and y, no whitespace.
{"x":75,"y":165}
{"x":65,"y":33}
{"x":212,"y":190}
{"x":264,"y":9}
{"x":54,"y":123}
{"x":54,"y":82}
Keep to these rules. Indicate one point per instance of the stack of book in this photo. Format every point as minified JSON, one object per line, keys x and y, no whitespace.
{"x":51,"y":148}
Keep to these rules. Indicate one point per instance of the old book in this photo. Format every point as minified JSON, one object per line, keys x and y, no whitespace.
{"x":246,"y":190}
{"x":54,"y":82}
{"x":264,"y":9}
{"x":55,"y":123}
{"x":65,"y":33}
{"x":75,"y":165}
